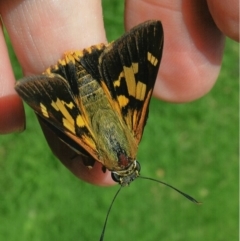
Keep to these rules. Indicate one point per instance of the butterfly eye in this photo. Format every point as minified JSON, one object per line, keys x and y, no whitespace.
{"x":116,"y":177}
{"x":138,"y":166}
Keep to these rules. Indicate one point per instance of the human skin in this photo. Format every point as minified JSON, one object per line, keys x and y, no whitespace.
{"x":194,"y":34}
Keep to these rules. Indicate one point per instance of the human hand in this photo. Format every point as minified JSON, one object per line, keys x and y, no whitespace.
{"x":41,"y":33}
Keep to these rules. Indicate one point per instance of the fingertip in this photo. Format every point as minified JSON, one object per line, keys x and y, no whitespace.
{"x":226,"y":17}
{"x":94,"y":175}
{"x":12,"y":114}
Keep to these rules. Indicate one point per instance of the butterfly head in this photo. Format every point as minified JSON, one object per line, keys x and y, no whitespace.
{"x":126,"y":176}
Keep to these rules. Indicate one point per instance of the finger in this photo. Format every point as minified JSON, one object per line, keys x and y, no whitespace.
{"x":193,"y":46}
{"x":226,"y":16}
{"x":41,"y":31}
{"x":11,"y":108}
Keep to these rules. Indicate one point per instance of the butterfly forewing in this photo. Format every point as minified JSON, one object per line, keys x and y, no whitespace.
{"x":52,"y":99}
{"x":129,"y":68}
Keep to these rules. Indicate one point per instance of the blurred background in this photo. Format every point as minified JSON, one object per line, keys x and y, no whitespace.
{"x":192,"y":146}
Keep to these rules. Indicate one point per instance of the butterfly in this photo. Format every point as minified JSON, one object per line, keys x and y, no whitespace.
{"x":97,"y":100}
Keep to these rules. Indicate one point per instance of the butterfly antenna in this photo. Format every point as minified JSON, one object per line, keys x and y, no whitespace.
{"x":105,"y":223}
{"x":184,"y":194}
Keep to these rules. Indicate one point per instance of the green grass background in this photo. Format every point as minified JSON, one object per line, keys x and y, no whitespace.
{"x":192,"y":146}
